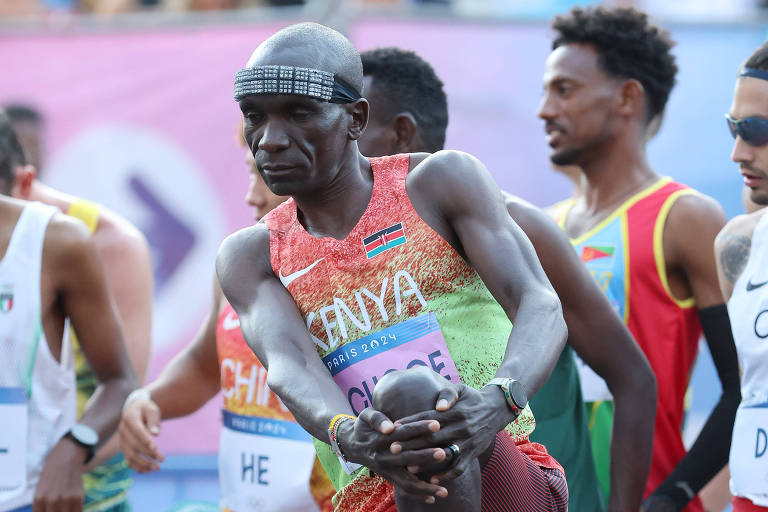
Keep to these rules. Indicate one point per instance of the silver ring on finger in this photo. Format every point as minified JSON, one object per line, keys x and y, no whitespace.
{"x":453,"y":450}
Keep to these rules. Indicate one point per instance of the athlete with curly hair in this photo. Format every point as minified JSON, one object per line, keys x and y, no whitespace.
{"x":646,"y":238}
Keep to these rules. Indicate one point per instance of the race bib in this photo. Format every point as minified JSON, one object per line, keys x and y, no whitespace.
{"x":13,"y":438}
{"x":357,"y":366}
{"x":593,"y":387}
{"x":265,"y":465}
{"x":749,"y":453}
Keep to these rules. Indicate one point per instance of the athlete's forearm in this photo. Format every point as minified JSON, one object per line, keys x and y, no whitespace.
{"x":184,"y":385}
{"x":102,"y":413}
{"x":536,"y":341}
{"x":631,"y":440}
{"x":310,"y":394}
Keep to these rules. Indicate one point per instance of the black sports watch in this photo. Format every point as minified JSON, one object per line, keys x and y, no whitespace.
{"x":84,"y":436}
{"x":514,"y":392}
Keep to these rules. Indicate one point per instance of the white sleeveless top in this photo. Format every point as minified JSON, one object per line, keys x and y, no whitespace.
{"x":748,"y":310}
{"x":27,"y":367}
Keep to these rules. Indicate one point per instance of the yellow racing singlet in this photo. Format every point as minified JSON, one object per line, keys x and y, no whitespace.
{"x":106,"y":486}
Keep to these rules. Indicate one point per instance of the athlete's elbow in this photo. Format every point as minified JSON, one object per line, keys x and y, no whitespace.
{"x":643,"y":387}
{"x":552,"y":309}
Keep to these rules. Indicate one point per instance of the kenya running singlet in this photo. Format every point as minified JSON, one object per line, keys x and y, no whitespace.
{"x":266,"y":460}
{"x":624,"y":253}
{"x":748,"y":309}
{"x":392,"y":295}
{"x":106,"y":486}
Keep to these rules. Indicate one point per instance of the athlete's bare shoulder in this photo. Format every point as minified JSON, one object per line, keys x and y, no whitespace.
{"x":518,"y":204}
{"x":692,"y":224}
{"x":532,"y":219}
{"x":694,"y":209}
{"x":66,"y":236}
{"x":117,"y":239}
{"x":732,"y":248}
{"x":447,"y":174}
{"x":243,"y":260}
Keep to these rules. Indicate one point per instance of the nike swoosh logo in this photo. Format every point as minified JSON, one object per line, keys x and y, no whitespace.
{"x":286,"y":280}
{"x":751,"y":286}
{"x":231,"y":321}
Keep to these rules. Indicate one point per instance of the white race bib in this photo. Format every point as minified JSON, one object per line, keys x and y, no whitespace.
{"x":593,"y":387}
{"x":265,"y":465}
{"x":13,"y":438}
{"x":749,"y":453}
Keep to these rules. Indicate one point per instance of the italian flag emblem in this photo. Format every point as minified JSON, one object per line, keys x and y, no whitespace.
{"x":595,"y":252}
{"x":6,"y":302}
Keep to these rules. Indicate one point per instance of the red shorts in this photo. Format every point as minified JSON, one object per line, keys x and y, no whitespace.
{"x":745,"y":505}
{"x":517,"y":477}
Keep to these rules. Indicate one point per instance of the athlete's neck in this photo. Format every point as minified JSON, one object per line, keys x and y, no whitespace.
{"x":613,"y":175}
{"x":335,"y":210}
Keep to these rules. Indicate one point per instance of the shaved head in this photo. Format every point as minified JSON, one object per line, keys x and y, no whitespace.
{"x":311,"y":45}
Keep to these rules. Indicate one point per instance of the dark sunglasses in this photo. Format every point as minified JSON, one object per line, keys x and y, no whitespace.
{"x":752,"y":130}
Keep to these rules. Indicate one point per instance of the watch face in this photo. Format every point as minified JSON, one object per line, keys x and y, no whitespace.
{"x":85,"y":434}
{"x":518,"y":394}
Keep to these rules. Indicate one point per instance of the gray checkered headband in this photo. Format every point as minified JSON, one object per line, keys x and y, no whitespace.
{"x":313,"y":83}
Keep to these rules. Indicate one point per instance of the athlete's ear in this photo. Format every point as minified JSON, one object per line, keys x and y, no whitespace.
{"x":632,"y":99}
{"x":359,"y":110}
{"x":406,"y":131}
{"x":22,"y":181}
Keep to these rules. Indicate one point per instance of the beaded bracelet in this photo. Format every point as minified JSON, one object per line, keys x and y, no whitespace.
{"x":333,"y":430}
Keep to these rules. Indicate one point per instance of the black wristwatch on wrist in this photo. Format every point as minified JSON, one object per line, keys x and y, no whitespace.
{"x":514,"y":393}
{"x":86,"y":437}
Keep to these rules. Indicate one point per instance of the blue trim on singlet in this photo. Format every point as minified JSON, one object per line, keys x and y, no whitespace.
{"x":264,"y":426}
{"x":374,"y":344}
{"x":13,"y":396}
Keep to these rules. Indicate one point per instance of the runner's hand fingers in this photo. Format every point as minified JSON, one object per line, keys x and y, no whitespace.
{"x":140,"y":463}
{"x":151,"y":415}
{"x":136,"y":428}
{"x":414,"y":430}
{"x":130,"y":444}
{"x":427,"y":457}
{"x":376,"y":420}
{"x":447,"y":398}
{"x":414,"y":488}
{"x":135,"y":453}
{"x":437,"y":439}
{"x":452,"y":473}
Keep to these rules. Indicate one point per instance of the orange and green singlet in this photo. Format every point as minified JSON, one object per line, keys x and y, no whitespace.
{"x":266,"y":460}
{"x":625,"y":255}
{"x":393,"y":294}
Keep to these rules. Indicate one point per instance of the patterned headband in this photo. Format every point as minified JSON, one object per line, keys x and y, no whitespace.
{"x":322,"y":85}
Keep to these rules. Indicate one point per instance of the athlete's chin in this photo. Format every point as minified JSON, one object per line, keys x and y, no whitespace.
{"x":759,"y":196}
{"x":565,"y":156}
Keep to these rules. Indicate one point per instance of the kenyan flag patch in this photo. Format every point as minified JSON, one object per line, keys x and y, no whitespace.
{"x":6,"y":298}
{"x":385,"y":239}
{"x":596,"y":252}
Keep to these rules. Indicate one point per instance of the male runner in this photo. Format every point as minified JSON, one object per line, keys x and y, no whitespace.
{"x":50,"y":273}
{"x":400,"y":87}
{"x":367,"y":269}
{"x":288,"y":476}
{"x":128,"y":268}
{"x":741,"y":249}
{"x":646,"y":239}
